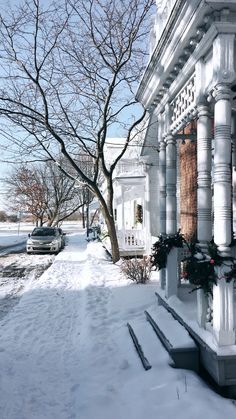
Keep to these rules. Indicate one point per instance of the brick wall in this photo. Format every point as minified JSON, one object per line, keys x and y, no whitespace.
{"x":188,"y":189}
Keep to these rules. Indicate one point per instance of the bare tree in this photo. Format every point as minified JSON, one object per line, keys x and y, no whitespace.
{"x":62,"y":199}
{"x":67,"y":80}
{"x":44,"y":192}
{"x":26,"y":193}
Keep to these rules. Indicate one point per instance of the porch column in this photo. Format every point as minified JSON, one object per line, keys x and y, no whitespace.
{"x":162,"y":204}
{"x":223,"y":317}
{"x":162,"y":183}
{"x":171,"y":225}
{"x":146,"y":203}
{"x":123,"y":215}
{"x":233,"y":137}
{"x":204,"y":195}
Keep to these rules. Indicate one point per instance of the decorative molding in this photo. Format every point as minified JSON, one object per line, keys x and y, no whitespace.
{"x":207,"y":28}
{"x":164,"y":10}
{"x":188,"y":49}
{"x":223,"y":58}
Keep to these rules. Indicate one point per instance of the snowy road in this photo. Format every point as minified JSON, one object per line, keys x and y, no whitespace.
{"x":15,"y":248}
{"x":16,"y":272}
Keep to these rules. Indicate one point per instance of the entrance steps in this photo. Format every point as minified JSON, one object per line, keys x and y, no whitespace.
{"x":174,"y":337}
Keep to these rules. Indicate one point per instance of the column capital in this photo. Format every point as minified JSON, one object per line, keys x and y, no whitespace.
{"x":162,"y":144}
{"x":222,"y":91}
{"x":203,"y":109}
{"x":170,"y":139}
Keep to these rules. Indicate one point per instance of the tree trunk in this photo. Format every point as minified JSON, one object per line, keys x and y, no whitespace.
{"x":107,"y":210}
{"x":87,"y":218}
{"x":83,"y":217}
{"x":113,"y":238}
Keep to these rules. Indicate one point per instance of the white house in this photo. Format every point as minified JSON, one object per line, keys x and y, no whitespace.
{"x":189,"y":90}
{"x":129,"y":181}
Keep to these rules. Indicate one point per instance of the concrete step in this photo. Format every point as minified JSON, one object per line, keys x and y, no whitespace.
{"x":175,"y":338}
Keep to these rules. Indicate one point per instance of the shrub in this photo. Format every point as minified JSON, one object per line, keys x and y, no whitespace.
{"x":138,"y":270}
{"x":3,"y":216}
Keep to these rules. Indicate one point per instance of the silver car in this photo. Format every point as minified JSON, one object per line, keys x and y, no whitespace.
{"x":45,"y":240}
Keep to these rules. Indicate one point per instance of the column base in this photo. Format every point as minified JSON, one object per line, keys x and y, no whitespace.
{"x":202,"y":305}
{"x":224,"y":337}
{"x":171,"y":287}
{"x":162,"y":278}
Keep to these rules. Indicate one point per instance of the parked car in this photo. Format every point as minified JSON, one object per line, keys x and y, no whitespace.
{"x":45,"y":240}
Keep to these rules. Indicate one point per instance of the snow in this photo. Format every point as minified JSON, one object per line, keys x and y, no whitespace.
{"x":66,"y":353}
{"x":176,"y":334}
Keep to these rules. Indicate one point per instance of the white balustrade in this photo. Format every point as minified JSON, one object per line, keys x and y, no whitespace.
{"x":131,"y":239}
{"x":184,"y":103}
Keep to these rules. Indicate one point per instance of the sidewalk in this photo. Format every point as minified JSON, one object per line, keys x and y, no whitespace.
{"x":65,"y":350}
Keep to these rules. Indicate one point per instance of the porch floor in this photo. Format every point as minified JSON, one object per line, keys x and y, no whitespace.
{"x":132,"y":252}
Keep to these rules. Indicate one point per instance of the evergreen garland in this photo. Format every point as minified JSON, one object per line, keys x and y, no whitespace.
{"x":162,"y":248}
{"x":200,"y":268}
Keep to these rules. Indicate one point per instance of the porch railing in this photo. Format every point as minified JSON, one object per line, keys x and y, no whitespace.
{"x":131,"y":239}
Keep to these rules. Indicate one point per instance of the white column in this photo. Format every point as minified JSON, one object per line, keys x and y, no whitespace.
{"x":223,"y":313}
{"x":171,"y":225}
{"x":233,"y":136}
{"x":204,"y":198}
{"x":162,"y":205}
{"x":123,"y":215}
{"x":162,"y":183}
{"x":222,"y":168}
{"x":146,"y":204}
{"x":171,"y":201}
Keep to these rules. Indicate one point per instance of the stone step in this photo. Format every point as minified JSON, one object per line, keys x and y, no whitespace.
{"x":151,"y":347}
{"x":175,"y":338}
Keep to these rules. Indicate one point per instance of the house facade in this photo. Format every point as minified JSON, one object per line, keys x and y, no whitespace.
{"x":130,"y":198}
{"x":189,"y":90}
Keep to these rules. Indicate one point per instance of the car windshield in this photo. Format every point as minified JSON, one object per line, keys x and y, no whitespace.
{"x":43,"y":232}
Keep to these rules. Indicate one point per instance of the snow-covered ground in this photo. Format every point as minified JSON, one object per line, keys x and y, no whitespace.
{"x":11,"y":234}
{"x":66,"y":353}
